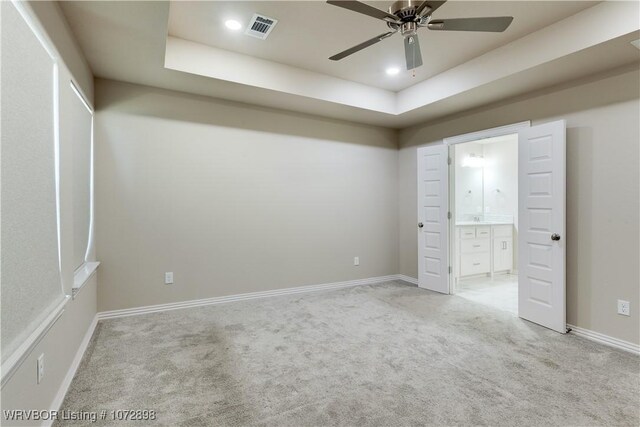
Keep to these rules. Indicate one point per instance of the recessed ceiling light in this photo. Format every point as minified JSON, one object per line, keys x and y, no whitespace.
{"x":232,"y":24}
{"x":392,"y":71}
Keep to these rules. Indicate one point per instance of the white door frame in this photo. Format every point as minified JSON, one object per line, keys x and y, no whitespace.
{"x":459,"y":139}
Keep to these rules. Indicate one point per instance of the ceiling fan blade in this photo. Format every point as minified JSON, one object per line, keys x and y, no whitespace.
{"x":429,"y":6}
{"x":412,"y":52}
{"x":365,"y":9}
{"x":361,"y":46}
{"x":496,"y":24}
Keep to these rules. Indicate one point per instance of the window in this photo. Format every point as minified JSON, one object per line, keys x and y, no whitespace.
{"x":81,"y":116}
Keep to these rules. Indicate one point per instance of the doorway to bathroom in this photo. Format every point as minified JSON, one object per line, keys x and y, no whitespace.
{"x":474,"y":241}
{"x":484,"y":185}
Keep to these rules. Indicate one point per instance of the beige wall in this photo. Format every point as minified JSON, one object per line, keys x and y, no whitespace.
{"x":602,"y":191}
{"x":202,"y":188}
{"x":62,"y":347}
{"x":233,"y":198}
{"x":61,"y":343}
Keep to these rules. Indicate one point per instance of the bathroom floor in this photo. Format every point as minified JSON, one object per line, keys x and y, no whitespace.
{"x":501,"y":292}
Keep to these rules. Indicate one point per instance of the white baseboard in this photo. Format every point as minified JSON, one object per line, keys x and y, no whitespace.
{"x":409,"y":279}
{"x":605,"y":339}
{"x":66,"y":382}
{"x":248,"y":296}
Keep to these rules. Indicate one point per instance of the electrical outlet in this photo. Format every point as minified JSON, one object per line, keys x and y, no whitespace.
{"x":168,"y":278}
{"x":356,"y":260}
{"x":40,"y":367}
{"x":623,"y":307}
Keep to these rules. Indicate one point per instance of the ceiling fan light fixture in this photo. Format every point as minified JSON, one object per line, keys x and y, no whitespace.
{"x":232,"y":24}
{"x":392,"y":71}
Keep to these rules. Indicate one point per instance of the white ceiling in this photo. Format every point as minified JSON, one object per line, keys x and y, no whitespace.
{"x":309,"y":32}
{"x":128,"y":41}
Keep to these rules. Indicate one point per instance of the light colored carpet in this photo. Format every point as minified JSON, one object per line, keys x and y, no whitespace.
{"x":501,"y":292}
{"x":388,"y":354}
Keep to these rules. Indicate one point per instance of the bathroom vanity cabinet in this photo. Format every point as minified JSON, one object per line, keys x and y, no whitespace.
{"x":483,"y":248}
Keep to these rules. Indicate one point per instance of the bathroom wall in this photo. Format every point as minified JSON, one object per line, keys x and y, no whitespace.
{"x":468,"y":182}
{"x":501,"y":178}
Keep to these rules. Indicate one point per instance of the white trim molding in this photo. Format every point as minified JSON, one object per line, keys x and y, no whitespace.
{"x":487,"y":133}
{"x":241,"y":297}
{"x":13,"y":362}
{"x":66,"y":382}
{"x":605,"y":339}
{"x":82,"y":275}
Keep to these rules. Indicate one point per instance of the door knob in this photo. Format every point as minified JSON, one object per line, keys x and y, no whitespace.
{"x":555,"y":236}
{"x":420,"y":225}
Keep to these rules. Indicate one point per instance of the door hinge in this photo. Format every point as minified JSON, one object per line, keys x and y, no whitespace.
{"x":448,"y":160}
{"x":448,"y":215}
{"x":450,"y":269}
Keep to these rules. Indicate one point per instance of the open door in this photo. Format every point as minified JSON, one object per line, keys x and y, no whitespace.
{"x":541,"y":213}
{"x":433,"y":209}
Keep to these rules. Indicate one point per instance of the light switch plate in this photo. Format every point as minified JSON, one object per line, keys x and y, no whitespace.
{"x":356,"y":261}
{"x":168,"y":278}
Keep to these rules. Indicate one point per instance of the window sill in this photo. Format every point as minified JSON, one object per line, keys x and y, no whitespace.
{"x":82,"y":275}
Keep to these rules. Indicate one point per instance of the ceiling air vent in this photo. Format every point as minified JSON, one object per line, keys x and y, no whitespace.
{"x":260,"y":26}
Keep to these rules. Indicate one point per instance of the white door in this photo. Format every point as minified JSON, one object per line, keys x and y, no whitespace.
{"x":433,"y":208}
{"x":541,"y":211}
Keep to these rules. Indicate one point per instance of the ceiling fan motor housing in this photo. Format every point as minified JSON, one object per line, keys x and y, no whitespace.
{"x":405,"y":9}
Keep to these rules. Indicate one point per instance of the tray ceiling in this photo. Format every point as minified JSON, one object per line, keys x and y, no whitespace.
{"x":309,"y":32}
{"x":185,"y":46}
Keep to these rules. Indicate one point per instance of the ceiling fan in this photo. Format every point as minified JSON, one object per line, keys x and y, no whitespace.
{"x":408,"y":16}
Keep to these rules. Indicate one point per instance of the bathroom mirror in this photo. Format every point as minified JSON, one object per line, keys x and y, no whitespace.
{"x":486,"y":180}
